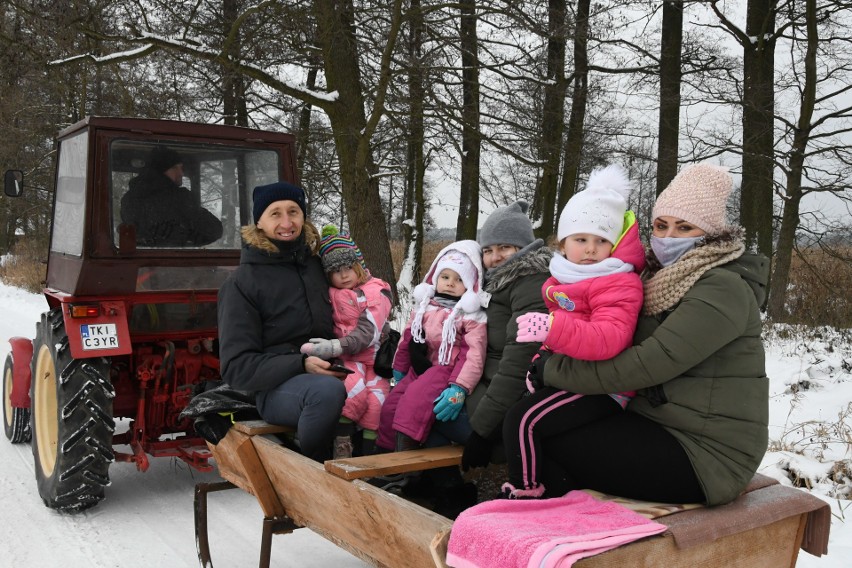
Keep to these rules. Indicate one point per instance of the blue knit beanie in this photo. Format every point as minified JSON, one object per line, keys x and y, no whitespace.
{"x":263,"y":195}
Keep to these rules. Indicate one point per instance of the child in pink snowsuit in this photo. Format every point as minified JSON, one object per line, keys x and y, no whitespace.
{"x":594,"y":296}
{"x":360,"y":305}
{"x":440,"y":357}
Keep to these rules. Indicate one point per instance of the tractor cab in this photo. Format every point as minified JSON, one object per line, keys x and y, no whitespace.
{"x":146,"y":228}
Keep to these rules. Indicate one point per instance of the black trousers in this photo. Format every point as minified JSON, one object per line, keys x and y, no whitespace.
{"x":622,"y":454}
{"x":545,"y":414}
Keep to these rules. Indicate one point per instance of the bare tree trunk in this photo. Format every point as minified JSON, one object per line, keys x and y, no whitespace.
{"x":552,"y":119}
{"x":336,"y":38}
{"x":670,"y":78}
{"x":579,"y":97}
{"x":416,"y":161}
{"x":758,"y":122}
{"x":801,"y":137}
{"x":304,"y":133}
{"x":468,"y":217}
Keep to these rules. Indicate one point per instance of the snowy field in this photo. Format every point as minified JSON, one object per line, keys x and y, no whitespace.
{"x":146,"y":518}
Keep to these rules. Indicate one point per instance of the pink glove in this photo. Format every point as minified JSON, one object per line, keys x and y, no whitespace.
{"x":533,"y":326}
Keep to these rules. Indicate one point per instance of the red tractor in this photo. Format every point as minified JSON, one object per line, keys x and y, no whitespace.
{"x":131,"y":331}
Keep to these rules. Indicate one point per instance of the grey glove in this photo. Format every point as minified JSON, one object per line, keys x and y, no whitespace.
{"x":323,"y":348}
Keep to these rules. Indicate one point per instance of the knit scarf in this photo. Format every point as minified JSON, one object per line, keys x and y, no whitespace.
{"x":666,"y":288}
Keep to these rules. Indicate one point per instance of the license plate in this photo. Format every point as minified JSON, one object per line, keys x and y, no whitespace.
{"x":99,"y":336}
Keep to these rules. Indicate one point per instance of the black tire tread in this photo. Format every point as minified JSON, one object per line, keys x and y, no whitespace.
{"x":17,"y":425}
{"x":85,"y":425}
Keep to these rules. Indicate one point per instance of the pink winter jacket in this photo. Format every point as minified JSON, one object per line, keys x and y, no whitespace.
{"x":350,"y":306}
{"x":594,"y":319}
{"x":468,"y":353}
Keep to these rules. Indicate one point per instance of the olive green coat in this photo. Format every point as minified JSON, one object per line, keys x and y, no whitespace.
{"x":699,"y":370}
{"x":515,"y":289}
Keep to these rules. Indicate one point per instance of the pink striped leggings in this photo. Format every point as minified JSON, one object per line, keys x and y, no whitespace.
{"x":546,"y":413}
{"x":591,"y":443}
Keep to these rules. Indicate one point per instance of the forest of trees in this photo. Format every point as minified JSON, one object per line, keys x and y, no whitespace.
{"x":399,"y":106}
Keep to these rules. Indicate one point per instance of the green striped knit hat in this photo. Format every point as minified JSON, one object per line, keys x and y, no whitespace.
{"x":337,"y":249}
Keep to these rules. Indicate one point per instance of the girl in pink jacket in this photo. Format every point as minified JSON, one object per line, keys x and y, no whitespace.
{"x":440,"y":357}
{"x":594,"y":296}
{"x":360,"y":306}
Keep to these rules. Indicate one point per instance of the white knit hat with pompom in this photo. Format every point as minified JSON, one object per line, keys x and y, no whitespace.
{"x":599,"y":209}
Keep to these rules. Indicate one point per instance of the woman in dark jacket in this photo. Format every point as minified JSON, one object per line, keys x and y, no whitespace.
{"x":697,"y":429}
{"x":275,"y":301}
{"x":517,"y":265}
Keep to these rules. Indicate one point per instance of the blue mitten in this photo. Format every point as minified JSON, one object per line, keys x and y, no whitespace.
{"x":397,"y":376}
{"x":450,"y":403}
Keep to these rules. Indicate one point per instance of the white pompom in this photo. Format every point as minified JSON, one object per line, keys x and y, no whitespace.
{"x":613,"y":177}
{"x":422,"y":291}
{"x":469,"y":302}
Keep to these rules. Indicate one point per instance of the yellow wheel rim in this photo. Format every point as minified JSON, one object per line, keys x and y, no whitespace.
{"x":44,"y":410}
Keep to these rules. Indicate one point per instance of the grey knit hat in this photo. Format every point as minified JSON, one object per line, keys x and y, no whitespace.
{"x":507,"y":225}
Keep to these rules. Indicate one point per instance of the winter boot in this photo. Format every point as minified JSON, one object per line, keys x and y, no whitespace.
{"x":342,"y":447}
{"x":404,"y":443}
{"x":508,"y":491}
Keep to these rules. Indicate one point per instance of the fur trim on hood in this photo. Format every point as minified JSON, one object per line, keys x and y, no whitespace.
{"x":255,"y":238}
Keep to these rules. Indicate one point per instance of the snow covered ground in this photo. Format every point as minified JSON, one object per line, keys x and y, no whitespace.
{"x":146,"y":519}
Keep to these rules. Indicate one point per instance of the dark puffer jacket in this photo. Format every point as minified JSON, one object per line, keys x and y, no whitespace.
{"x":167,"y":215}
{"x":699,"y":370}
{"x":515,"y":288}
{"x":276,"y":300}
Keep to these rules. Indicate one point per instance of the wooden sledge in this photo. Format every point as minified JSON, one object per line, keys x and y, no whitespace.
{"x":765,"y":527}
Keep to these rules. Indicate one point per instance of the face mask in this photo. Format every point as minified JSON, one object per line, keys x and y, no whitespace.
{"x":669,"y":249}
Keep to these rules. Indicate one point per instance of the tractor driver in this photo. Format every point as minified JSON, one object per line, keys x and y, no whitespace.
{"x":165,"y":213}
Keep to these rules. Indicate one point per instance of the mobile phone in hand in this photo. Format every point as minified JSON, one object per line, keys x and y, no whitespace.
{"x":337,"y":368}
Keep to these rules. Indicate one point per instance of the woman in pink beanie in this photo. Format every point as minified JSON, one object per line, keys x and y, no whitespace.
{"x":696,"y":429}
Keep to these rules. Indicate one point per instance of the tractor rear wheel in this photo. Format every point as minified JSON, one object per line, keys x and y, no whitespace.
{"x":72,"y":424}
{"x":16,"y":421}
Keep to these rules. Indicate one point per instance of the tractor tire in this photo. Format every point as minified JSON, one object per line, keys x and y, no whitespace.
{"x":16,"y":421}
{"x":72,"y":423}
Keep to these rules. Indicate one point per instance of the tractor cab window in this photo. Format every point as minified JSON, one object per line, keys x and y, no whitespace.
{"x":168,"y":195}
{"x":70,"y":206}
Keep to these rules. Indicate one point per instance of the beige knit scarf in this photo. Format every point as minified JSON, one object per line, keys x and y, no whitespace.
{"x":665,"y":288}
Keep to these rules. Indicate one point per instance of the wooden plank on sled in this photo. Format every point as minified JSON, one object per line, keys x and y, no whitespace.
{"x":769,"y":546}
{"x":395,"y":462}
{"x":379,"y":527}
{"x":256,"y":427}
{"x":238,"y":463}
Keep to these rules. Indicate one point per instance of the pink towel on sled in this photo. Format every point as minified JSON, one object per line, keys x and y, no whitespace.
{"x":542,"y":533}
